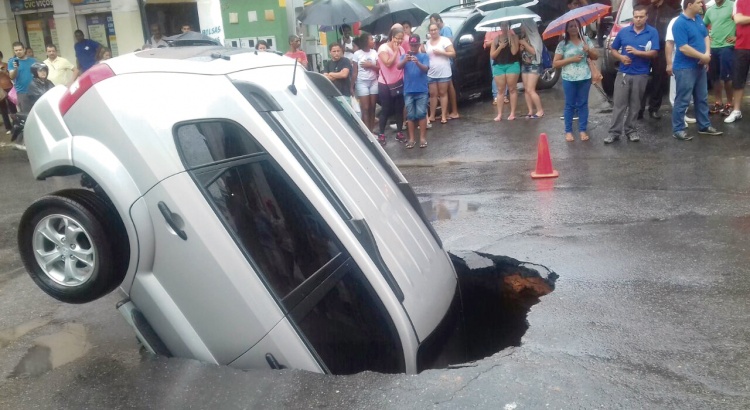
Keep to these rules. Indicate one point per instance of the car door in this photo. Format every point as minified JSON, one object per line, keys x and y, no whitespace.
{"x":299,"y":260}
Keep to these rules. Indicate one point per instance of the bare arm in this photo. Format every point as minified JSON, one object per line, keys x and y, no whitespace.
{"x":741,"y":19}
{"x":525,"y":45}
{"x":341,"y":74}
{"x":668,"y":50}
{"x":386,"y":59}
{"x":450,"y":51}
{"x":645,"y":54}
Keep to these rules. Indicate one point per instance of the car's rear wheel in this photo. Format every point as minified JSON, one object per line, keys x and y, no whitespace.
{"x":73,"y":245}
{"x":548,"y":78}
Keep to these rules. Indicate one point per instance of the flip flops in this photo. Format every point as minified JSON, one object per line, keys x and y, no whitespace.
{"x":423,"y":145}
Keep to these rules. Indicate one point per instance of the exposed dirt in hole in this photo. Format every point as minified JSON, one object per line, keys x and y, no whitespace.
{"x":497,"y":293}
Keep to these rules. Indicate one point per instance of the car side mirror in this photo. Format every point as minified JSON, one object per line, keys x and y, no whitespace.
{"x":465,"y":39}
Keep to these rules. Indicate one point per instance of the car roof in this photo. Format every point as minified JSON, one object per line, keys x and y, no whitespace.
{"x":207,"y":60}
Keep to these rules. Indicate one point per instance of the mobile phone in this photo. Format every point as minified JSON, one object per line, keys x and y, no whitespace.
{"x":411,"y":53}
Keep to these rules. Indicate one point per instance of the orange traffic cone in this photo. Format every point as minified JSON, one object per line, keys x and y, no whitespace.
{"x":543,"y":161}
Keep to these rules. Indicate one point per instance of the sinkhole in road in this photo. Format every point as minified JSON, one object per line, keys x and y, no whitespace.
{"x":497,"y":293}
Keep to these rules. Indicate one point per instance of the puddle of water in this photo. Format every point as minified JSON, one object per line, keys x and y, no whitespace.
{"x":438,"y":208}
{"x":497,"y":293}
{"x":52,"y":351}
{"x":8,"y":336}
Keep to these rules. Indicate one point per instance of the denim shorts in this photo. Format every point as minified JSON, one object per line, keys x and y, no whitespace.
{"x":416,"y":106}
{"x":431,"y":80}
{"x":366,"y":87}
{"x":503,"y":69}
{"x":531,"y":68}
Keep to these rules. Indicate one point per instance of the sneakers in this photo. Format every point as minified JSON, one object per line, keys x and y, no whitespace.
{"x":728,"y":108}
{"x":682,"y":136}
{"x":18,"y":147}
{"x":633,"y":137}
{"x":611,"y":138}
{"x":716,"y":108}
{"x":733,"y":116}
{"x":575,"y":118}
{"x":710,"y":131}
{"x":690,"y":120}
{"x":400,"y":137}
{"x":7,"y":132}
{"x":395,"y":127}
{"x":381,"y":139}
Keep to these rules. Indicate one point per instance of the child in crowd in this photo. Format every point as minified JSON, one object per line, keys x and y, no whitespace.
{"x":416,"y":91}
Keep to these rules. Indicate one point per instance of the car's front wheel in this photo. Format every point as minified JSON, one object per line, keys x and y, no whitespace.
{"x":73,"y":245}
{"x":548,"y":78}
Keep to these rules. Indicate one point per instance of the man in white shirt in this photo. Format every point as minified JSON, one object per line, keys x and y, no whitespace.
{"x":156,"y":40}
{"x":61,"y":71}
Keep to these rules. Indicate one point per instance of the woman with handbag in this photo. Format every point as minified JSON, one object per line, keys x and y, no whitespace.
{"x":391,"y":83}
{"x":531,"y":60}
{"x":440,"y":51}
{"x":572,"y":56}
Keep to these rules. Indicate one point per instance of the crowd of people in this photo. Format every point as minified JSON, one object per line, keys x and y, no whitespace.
{"x":24,"y":79}
{"x":409,"y":78}
{"x":685,"y":45}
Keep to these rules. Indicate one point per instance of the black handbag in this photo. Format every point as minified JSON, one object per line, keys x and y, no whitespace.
{"x":396,"y":89}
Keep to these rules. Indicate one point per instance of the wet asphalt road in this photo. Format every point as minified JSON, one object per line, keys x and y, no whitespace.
{"x":650,"y":240}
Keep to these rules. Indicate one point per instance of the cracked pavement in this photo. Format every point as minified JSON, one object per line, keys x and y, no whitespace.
{"x":650,"y":240}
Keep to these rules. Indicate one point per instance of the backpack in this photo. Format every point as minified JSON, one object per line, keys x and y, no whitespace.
{"x":546,"y":59}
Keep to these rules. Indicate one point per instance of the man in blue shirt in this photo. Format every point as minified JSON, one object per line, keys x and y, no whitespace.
{"x":692,"y":56}
{"x":20,"y":73}
{"x":445,"y":31}
{"x":86,"y":50}
{"x":634,"y":47}
{"x":416,"y":91}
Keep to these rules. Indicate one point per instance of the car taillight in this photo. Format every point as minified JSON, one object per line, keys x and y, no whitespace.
{"x":79,"y":87}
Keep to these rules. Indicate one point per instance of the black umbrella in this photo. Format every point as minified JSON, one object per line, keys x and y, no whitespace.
{"x":334,"y":12}
{"x":385,"y":15}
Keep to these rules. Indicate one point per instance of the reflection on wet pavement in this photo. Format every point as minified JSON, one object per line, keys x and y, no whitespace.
{"x":439,"y":208}
{"x":52,"y":351}
{"x":7,"y":336}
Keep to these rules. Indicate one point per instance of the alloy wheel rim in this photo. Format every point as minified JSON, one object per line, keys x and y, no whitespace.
{"x":64,"y":250}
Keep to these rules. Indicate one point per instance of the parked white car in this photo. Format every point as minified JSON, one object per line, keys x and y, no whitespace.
{"x":244,"y":211}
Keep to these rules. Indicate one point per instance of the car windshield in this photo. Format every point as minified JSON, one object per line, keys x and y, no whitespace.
{"x":626,"y":13}
{"x":454,"y":23}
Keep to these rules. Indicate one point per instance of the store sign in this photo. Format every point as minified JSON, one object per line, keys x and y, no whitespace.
{"x":20,"y":5}
{"x":209,"y":14}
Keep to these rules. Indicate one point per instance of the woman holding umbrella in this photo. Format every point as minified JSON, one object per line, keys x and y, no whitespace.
{"x":505,"y":56}
{"x":571,"y":55}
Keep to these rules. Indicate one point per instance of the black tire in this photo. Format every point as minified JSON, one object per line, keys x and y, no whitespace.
{"x":96,"y":248}
{"x":548,"y":79}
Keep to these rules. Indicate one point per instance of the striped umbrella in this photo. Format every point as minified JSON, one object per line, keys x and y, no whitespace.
{"x":585,"y":15}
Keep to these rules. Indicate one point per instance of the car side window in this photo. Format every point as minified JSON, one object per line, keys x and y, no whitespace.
{"x":206,"y":142}
{"x":348,"y":326}
{"x":281,"y":232}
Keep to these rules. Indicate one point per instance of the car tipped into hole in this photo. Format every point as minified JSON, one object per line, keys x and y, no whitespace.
{"x":245,"y":213}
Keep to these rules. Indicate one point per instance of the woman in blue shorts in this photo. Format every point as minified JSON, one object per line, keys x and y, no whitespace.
{"x":440,"y":51}
{"x":505,"y":55}
{"x":365,"y":77}
{"x":531,"y":64}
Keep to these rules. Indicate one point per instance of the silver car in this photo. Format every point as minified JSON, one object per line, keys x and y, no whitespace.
{"x":243,"y":210}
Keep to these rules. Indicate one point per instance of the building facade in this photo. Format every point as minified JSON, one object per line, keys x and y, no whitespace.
{"x":121,"y":25}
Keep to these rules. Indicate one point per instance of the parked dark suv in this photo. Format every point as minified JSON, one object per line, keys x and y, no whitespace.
{"x":471,"y":67}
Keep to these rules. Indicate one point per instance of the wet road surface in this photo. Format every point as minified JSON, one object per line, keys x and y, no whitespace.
{"x":650,"y":240}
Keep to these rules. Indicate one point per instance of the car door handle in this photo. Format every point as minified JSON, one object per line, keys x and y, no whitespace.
{"x":169,"y":217}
